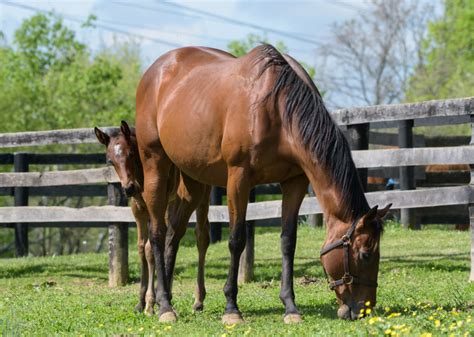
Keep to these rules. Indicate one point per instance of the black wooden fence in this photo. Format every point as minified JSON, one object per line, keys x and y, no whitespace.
{"x":354,"y":120}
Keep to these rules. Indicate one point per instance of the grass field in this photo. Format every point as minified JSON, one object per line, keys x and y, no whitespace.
{"x":423,"y":290}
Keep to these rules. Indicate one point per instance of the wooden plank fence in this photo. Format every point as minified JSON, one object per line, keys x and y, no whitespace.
{"x":117,"y":215}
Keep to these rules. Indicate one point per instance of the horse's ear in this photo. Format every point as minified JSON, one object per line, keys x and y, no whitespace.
{"x":125,"y":130}
{"x":102,"y":137}
{"x":383,"y":212}
{"x":371,"y":214}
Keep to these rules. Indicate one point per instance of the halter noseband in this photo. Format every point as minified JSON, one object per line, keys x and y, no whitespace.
{"x":347,"y":278}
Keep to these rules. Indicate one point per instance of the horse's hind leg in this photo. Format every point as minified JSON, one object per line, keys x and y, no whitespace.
{"x":293,"y":191}
{"x":238,"y":190}
{"x":141,"y":218}
{"x":202,"y":241}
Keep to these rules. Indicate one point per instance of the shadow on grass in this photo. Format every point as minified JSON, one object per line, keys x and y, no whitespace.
{"x":99,"y":272}
{"x":322,"y":310}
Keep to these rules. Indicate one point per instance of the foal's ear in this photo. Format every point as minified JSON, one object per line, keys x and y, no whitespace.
{"x":383,"y":212}
{"x":125,"y":130}
{"x":102,"y":136}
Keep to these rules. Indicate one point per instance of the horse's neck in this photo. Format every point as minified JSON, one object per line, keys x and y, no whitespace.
{"x":335,"y":207}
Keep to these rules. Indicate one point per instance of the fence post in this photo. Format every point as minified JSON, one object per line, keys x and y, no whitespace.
{"x":407,"y":173}
{"x":471,"y":205}
{"x":216,"y":227}
{"x":314,"y":220}
{"x":247,"y":257}
{"x":20,"y":164}
{"x":118,"y":241}
{"x":359,"y":140}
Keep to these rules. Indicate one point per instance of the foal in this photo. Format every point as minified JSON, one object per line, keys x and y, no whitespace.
{"x":122,"y":153}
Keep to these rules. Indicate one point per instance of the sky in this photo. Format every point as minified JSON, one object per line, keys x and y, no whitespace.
{"x":161,"y":26}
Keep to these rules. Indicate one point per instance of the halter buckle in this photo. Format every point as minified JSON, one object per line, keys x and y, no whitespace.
{"x":345,"y":239}
{"x":348,"y":279}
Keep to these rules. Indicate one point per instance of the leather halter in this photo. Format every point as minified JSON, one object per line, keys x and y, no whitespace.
{"x":347,"y":278}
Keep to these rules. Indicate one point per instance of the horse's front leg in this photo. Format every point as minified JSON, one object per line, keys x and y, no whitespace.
{"x":238,"y":189}
{"x":293,"y":191}
{"x":156,"y":171}
{"x":141,"y":219}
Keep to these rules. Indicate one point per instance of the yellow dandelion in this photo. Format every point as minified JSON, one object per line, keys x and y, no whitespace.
{"x":129,"y":329}
{"x":406,"y":330}
{"x":413,"y":313}
{"x":101,"y":325}
{"x":426,"y":334}
{"x":437,"y":323}
{"x":431,"y":318}
{"x":230,"y":327}
{"x":405,"y":310}
{"x":362,"y":310}
{"x":367,"y":303}
{"x":459,"y":323}
{"x":167,"y":328}
{"x":394,"y":314}
{"x":452,"y":326}
{"x":439,"y":308}
{"x":399,"y":327}
{"x":468,"y":319}
{"x":224,"y":335}
{"x":387,"y":309}
{"x":140,"y":329}
{"x":466,"y":334}
{"x":388,"y":331}
{"x":247,"y":331}
{"x":368,"y":311}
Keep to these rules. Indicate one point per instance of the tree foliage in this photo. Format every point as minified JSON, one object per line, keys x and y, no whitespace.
{"x":447,"y":67}
{"x":50,"y":80}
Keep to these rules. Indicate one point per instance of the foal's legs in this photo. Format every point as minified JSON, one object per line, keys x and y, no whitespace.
{"x":141,"y":218}
{"x":238,"y":189}
{"x":156,"y":167}
{"x":150,"y":292}
{"x":293,"y":191}
{"x":202,"y":242}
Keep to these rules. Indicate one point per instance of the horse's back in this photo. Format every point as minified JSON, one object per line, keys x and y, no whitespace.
{"x":205,"y":107}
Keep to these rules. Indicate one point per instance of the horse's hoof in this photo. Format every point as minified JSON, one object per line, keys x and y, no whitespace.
{"x":232,"y":318}
{"x":198,"y":306}
{"x":149,"y":311}
{"x":168,"y":317}
{"x":292,"y":319}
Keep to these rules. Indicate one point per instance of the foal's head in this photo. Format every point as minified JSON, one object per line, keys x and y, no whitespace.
{"x":351,"y":258}
{"x":122,"y":152}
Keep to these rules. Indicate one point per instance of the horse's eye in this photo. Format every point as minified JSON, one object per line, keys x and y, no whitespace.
{"x":109,"y":162}
{"x":365,"y":256}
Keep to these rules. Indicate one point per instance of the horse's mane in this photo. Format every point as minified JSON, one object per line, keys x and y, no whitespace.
{"x":305,"y":111}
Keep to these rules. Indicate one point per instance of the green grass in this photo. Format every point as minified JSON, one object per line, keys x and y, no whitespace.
{"x":423,"y":282}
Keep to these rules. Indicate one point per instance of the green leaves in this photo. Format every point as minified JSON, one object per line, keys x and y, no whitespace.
{"x":50,"y":80}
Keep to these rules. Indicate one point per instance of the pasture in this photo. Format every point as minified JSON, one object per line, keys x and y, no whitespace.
{"x":423,"y":290}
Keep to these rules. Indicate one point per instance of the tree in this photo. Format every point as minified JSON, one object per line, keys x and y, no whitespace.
{"x":447,"y":67}
{"x":50,"y":80}
{"x":369,"y":58}
{"x":241,"y":47}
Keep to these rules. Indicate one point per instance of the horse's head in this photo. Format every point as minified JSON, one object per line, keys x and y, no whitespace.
{"x":122,"y":153}
{"x":350,"y":258}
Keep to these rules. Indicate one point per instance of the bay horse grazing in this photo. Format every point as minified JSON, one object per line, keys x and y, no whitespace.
{"x":122,"y":153}
{"x":256,"y":119}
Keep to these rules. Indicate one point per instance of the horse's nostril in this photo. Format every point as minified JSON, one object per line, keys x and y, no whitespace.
{"x":344,"y":312}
